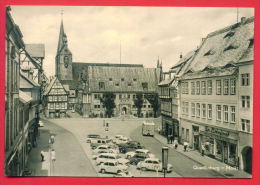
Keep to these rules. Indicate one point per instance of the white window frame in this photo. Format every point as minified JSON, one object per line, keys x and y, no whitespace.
{"x":218,"y":113}
{"x":233,"y":114}
{"x":209,"y":111}
{"x":225,"y":113}
{"x":204,"y":111}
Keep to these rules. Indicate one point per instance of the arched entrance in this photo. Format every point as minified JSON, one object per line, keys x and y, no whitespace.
{"x":247,"y":159}
{"x":124,"y":110}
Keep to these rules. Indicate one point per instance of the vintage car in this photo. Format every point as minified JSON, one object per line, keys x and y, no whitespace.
{"x":91,"y":137}
{"x":138,"y":151}
{"x":153,"y":164}
{"x":129,"y":146}
{"x":112,"y":166}
{"x":111,"y":156}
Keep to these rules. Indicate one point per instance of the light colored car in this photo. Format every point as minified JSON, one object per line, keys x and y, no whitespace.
{"x":111,"y":156}
{"x":112,"y":166}
{"x":95,"y":156}
{"x":152,"y":164}
{"x":121,"y":140}
{"x":41,"y":124}
{"x":138,"y":151}
{"x":92,"y":137}
{"x":107,"y":148}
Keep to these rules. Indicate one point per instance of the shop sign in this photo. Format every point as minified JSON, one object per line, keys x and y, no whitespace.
{"x":217,"y":131}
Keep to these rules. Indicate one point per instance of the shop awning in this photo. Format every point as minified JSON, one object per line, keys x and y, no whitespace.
{"x":24,"y":98}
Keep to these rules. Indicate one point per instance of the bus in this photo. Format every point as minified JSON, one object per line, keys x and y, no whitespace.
{"x":148,"y":128}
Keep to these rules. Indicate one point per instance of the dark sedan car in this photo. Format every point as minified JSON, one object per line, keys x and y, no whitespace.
{"x":129,"y":146}
{"x":137,"y":158}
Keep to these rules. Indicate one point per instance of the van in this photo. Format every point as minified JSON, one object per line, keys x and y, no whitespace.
{"x":148,"y":128}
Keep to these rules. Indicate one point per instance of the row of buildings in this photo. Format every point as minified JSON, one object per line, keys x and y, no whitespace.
{"x":207,"y":96}
{"x":80,"y":86}
{"x":23,"y":90}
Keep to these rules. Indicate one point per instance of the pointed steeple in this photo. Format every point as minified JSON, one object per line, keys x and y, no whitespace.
{"x":158,"y":62}
{"x":62,"y":38}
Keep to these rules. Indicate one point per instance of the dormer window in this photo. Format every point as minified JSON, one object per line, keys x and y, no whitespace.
{"x":229,"y":34}
{"x":117,"y":84}
{"x":209,"y":52}
{"x":230,"y":47}
{"x":134,"y":79}
{"x":129,"y":84}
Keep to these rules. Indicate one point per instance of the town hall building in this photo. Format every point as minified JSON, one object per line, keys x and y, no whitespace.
{"x":87,"y":82}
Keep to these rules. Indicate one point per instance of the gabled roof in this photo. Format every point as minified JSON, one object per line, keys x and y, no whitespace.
{"x":48,"y":88}
{"x":35,"y":50}
{"x":227,"y":45}
{"x":183,"y":59}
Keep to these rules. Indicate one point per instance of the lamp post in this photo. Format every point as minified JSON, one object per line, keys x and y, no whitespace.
{"x":165,"y":151}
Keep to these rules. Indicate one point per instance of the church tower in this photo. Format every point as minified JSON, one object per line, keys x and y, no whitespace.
{"x":63,"y":58}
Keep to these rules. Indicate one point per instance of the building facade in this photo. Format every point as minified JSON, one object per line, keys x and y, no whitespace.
{"x":88,"y":82}
{"x":216,"y":96}
{"x":22,"y":100}
{"x":55,"y":100}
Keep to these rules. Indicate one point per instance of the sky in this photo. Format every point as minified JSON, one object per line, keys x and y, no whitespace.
{"x":94,"y":33}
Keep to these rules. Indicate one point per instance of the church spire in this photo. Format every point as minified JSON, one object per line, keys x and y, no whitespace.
{"x":62,"y":38}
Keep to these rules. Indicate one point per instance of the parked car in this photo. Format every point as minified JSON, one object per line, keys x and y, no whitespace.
{"x":102,"y":152}
{"x":41,"y":124}
{"x":98,"y":142}
{"x":138,"y":151}
{"x":121,"y":140}
{"x":134,"y":160}
{"x":111,"y":156}
{"x":91,"y":137}
{"x":109,"y":148}
{"x":112,"y":166}
{"x":129,"y":146}
{"x":152,"y":164}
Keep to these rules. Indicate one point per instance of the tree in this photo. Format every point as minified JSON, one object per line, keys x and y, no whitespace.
{"x":154,"y":101}
{"x":139,"y":103}
{"x":108,"y":102}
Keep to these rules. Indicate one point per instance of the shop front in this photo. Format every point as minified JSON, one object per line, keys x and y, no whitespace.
{"x":220,"y":144}
{"x":167,"y":125}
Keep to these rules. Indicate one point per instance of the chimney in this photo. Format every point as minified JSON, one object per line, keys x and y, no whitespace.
{"x":243,"y":20}
{"x":181,"y":56}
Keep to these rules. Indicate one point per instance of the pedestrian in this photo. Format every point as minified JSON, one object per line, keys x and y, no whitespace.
{"x":42,"y":156}
{"x":203,"y":150}
{"x":185,"y":145}
{"x":168,"y":139}
{"x":175,"y":143}
{"x":171,"y":138}
{"x":159,"y":130}
{"x":52,"y":139}
{"x":53,"y":155}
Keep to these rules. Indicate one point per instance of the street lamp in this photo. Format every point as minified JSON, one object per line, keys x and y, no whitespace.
{"x":165,"y":151}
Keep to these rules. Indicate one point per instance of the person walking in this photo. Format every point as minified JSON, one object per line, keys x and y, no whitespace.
{"x":175,"y":143}
{"x":203,"y":150}
{"x":52,"y":139}
{"x":168,"y":139}
{"x":185,"y":145}
{"x":171,"y":138}
{"x":53,"y":155}
{"x":42,"y":156}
